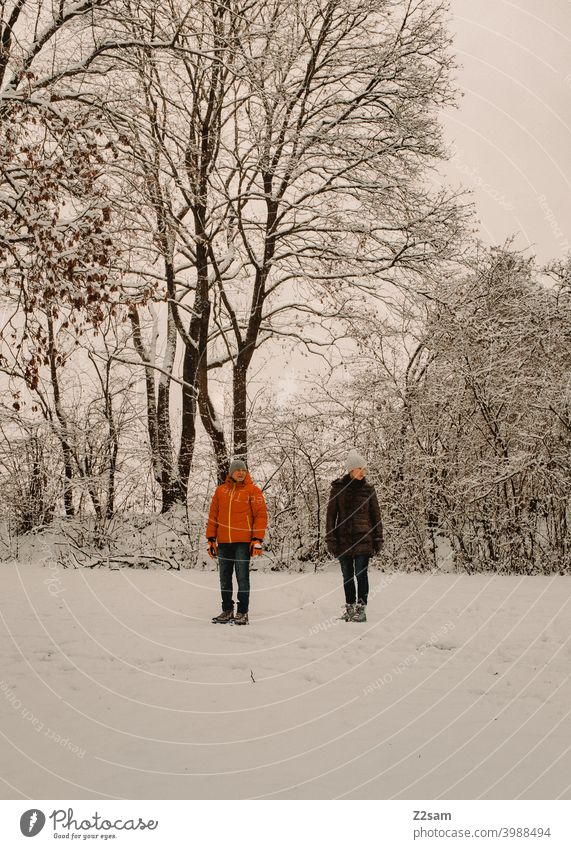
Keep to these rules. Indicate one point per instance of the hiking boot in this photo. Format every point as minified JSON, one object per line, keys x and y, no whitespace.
{"x":224,"y":617}
{"x":360,"y":614}
{"x":348,"y":613}
{"x":241,"y":619}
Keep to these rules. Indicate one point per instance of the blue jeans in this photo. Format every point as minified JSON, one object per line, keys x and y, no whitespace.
{"x":355,"y":567}
{"x":234,"y":555}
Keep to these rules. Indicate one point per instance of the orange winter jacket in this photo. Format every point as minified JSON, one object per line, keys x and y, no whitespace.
{"x":237,"y":512}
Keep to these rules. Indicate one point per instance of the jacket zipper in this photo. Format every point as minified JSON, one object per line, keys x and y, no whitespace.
{"x":229,"y":511}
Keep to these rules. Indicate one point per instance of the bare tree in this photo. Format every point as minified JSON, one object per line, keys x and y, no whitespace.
{"x":321,"y":169}
{"x":466,"y":420}
{"x":256,"y":168}
{"x":282,"y":152}
{"x":173,"y":140}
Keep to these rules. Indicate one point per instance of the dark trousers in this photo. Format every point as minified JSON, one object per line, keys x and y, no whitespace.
{"x":355,"y":567}
{"x":234,"y":556}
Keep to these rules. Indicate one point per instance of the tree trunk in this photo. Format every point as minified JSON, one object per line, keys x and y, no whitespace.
{"x":158,"y":412}
{"x":63,"y":433}
{"x":195,"y":353}
{"x":212,"y":424}
{"x":152,"y":420}
{"x":239,"y":382}
{"x":188,"y":424}
{"x":113,"y":448}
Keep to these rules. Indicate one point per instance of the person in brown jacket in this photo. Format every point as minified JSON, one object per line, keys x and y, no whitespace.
{"x":235,"y":531}
{"x":353,"y":533}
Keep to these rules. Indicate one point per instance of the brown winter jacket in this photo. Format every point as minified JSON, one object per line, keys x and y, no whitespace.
{"x":353,"y":524}
{"x":237,"y":512}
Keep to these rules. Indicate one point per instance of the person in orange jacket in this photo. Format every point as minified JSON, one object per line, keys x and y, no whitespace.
{"x":235,"y":531}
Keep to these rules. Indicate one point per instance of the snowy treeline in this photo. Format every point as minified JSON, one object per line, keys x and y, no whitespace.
{"x":194,"y":195}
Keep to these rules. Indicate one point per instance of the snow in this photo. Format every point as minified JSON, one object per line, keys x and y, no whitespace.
{"x":115,"y":684}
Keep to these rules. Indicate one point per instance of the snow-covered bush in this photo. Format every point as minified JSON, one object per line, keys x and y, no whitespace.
{"x":30,"y":479}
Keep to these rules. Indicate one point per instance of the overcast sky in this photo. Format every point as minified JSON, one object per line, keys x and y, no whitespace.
{"x":512,"y":133}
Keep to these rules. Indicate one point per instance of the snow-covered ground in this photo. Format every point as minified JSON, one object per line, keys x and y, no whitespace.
{"x":116,"y":684}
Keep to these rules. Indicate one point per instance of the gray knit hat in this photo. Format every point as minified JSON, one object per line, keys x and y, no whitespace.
{"x":236,"y":465}
{"x":355,"y":460}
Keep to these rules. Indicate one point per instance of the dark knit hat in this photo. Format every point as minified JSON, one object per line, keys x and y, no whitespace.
{"x":236,"y":466}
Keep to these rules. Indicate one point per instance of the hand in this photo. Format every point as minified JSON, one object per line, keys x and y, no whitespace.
{"x":256,"y":547}
{"x":212,"y":548}
{"x":377,"y":545}
{"x":332,"y":546}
